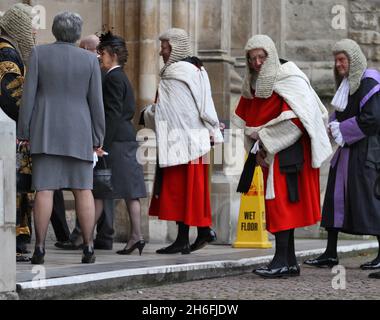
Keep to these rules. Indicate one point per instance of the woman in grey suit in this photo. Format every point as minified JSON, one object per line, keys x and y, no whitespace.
{"x":62,"y":117}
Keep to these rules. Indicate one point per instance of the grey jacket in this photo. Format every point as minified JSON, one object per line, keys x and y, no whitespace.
{"x":62,"y":109}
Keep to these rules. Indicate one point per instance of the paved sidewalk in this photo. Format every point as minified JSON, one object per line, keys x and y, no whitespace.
{"x":64,"y":276}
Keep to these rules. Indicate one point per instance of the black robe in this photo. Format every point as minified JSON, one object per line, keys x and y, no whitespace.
{"x":12,"y":71}
{"x":11,"y":78}
{"x":361,"y":208}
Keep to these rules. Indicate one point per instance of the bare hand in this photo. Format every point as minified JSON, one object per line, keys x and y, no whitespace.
{"x":100,"y":152}
{"x":260,"y":158}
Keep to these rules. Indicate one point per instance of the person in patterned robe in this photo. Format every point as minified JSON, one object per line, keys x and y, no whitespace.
{"x":16,"y":42}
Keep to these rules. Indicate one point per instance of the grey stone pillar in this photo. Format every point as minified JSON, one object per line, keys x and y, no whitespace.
{"x":148,"y":50}
{"x":214,"y":48}
{"x":184,"y":16}
{"x":7,"y":204}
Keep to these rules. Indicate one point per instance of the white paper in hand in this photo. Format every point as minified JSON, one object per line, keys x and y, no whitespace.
{"x":95,"y":160}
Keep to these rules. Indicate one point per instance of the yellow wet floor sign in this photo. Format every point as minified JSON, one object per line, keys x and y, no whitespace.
{"x":251,"y":229}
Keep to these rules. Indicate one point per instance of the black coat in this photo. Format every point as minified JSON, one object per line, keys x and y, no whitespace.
{"x":119,"y":107}
{"x":362,"y":209}
{"x":120,"y":139}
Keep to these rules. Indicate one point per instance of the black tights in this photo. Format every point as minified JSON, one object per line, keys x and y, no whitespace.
{"x":183,"y":233}
{"x":285,"y":251}
{"x":332,"y":244}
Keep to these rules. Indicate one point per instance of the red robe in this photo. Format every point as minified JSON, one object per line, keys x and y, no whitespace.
{"x":281,"y":214}
{"x":184,"y":195}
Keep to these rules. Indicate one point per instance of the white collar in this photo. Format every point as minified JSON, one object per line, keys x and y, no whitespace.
{"x":340,"y":100}
{"x":118,"y":66}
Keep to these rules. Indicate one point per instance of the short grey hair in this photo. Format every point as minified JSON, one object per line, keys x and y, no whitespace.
{"x":67,"y":27}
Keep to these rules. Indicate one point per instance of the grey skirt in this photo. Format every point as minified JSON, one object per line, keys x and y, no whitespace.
{"x":50,"y":172}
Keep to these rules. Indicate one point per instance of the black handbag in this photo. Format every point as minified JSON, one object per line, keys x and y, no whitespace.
{"x":102,"y":179}
{"x":24,"y":169}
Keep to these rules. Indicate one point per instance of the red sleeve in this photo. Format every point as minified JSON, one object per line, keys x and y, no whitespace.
{"x":241,"y":109}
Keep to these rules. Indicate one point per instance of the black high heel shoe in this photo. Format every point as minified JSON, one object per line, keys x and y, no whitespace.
{"x":138,"y":245}
{"x":38,"y":256}
{"x":88,"y":255}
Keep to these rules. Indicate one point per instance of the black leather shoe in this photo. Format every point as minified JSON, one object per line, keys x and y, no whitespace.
{"x":374,"y":275}
{"x":68,"y":245}
{"x":38,"y":256}
{"x":21,"y":258}
{"x":201,"y":242}
{"x":260,"y":268}
{"x":295,"y":270}
{"x":324,"y":262}
{"x":371,"y":265}
{"x":272,"y":273}
{"x":88,"y":255}
{"x":175,"y":248}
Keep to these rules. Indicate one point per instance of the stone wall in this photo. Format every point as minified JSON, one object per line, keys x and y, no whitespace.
{"x":365,"y":28}
{"x":90,"y":10}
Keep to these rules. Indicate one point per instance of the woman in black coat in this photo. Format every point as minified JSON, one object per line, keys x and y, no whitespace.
{"x":120,"y":139}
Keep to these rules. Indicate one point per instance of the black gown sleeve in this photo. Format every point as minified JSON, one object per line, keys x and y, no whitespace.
{"x":369,"y":117}
{"x":11,"y":81}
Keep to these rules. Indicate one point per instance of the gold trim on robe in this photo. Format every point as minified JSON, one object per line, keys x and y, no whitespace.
{"x":8,"y":67}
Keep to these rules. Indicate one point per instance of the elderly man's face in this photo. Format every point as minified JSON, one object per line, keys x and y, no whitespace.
{"x":342,"y":64}
{"x":165,"y":51}
{"x":256,"y":58}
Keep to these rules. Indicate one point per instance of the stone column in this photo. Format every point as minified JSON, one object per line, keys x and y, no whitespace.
{"x":7,"y":204}
{"x":148,"y":81}
{"x":90,"y":11}
{"x":148,"y":50}
{"x":184,"y":16}
{"x":214,"y":48}
{"x":180,"y":14}
{"x":114,"y":15}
